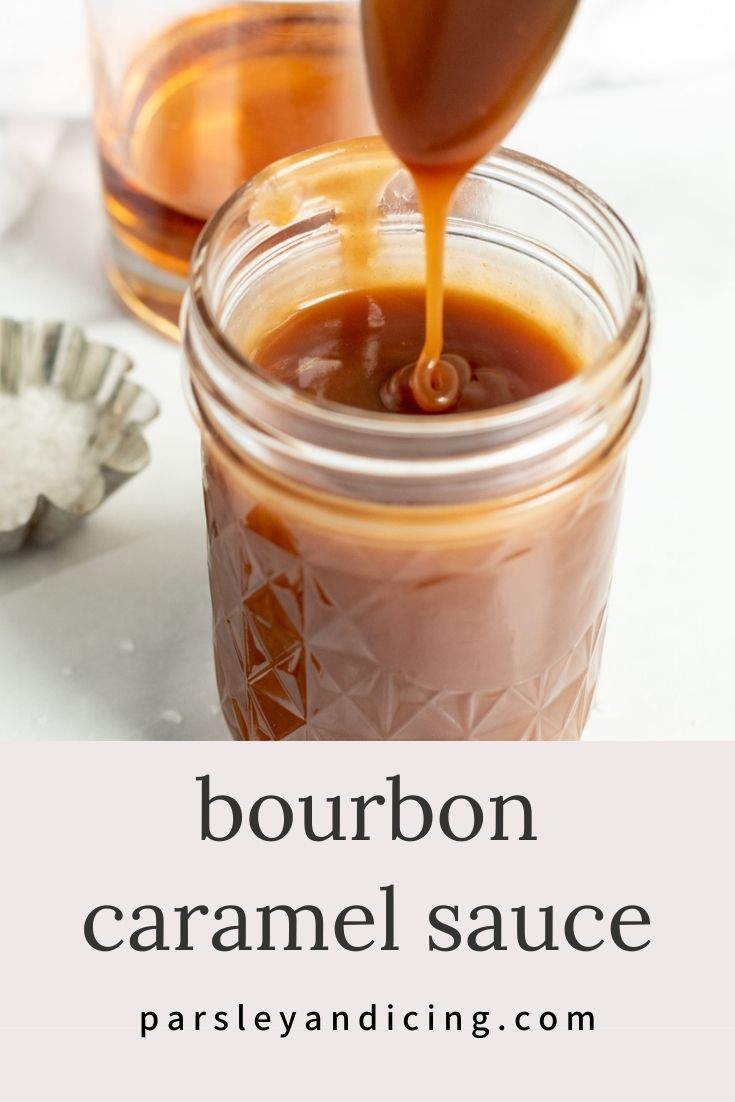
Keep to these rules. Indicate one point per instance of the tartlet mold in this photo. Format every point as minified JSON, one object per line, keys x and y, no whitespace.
{"x":57,"y":354}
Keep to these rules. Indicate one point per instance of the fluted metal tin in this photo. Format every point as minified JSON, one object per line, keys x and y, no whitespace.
{"x":56,"y":354}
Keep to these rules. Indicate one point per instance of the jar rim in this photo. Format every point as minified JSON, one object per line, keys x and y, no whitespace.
{"x":506,"y":165}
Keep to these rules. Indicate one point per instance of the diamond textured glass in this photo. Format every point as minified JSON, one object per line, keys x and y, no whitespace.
{"x":378,"y":576}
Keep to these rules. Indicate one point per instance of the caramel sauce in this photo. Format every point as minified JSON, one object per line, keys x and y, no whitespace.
{"x":449,"y":78}
{"x":344,"y":618}
{"x":350,"y":347}
{"x":377,"y":623}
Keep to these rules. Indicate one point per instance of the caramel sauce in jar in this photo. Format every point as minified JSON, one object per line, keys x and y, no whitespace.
{"x":348,"y":348}
{"x":374,"y":623}
{"x":393,"y":575}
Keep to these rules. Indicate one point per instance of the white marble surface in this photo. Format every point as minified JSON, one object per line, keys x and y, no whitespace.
{"x":107,"y":636}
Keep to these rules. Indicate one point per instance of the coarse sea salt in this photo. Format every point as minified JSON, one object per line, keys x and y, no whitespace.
{"x":44,"y":449}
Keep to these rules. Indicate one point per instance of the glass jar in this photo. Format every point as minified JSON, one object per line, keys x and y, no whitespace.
{"x":192,"y":98}
{"x":376,"y":576}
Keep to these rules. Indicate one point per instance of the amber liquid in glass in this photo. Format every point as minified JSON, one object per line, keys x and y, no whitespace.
{"x":206,"y":105}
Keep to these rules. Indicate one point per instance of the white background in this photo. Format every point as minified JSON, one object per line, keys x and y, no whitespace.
{"x":107,"y":636}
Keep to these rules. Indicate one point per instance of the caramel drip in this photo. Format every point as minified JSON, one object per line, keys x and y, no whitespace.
{"x":448,"y":79}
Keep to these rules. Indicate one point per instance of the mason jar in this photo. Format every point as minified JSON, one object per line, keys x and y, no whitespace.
{"x":384,"y":576}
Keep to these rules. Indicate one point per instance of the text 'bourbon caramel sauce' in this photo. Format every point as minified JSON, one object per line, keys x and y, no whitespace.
{"x":449,"y":78}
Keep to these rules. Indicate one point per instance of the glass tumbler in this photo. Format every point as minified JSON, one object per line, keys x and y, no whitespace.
{"x":383,"y":576}
{"x":192,"y":98}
